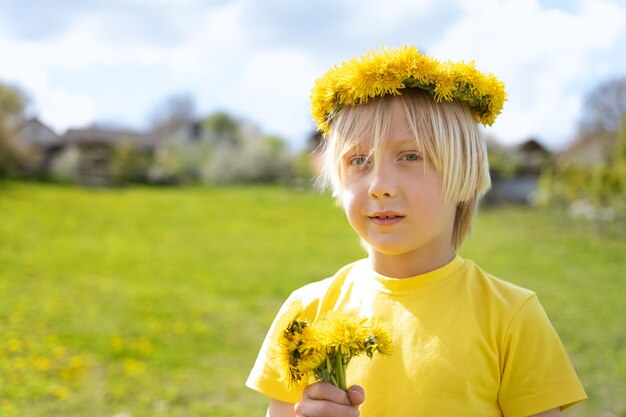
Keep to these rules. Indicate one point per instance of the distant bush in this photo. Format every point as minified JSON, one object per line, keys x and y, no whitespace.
{"x":252,"y":160}
{"x":595,"y":192}
{"x":219,"y":149}
{"x":16,"y":161}
{"x":64,"y":168}
{"x":129,"y":164}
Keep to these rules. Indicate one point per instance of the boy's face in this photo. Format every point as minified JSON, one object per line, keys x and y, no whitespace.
{"x":396,"y":204}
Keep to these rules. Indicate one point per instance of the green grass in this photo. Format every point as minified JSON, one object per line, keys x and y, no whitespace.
{"x":154,"y":302}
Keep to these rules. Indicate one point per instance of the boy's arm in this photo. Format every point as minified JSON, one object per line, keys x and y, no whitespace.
{"x":280,"y":409}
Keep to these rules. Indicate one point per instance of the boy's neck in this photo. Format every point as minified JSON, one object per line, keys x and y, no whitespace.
{"x":409,"y":265}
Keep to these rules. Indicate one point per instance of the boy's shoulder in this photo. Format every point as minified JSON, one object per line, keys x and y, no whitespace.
{"x":481,"y":275}
{"x":471,"y":281}
{"x":318,"y":288}
{"x":313,"y":295}
{"x":483,"y":283}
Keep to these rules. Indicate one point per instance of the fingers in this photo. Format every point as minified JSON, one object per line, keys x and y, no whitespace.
{"x":327,"y":392}
{"x":325,"y":400}
{"x":356,"y":395}
{"x":325,"y":409}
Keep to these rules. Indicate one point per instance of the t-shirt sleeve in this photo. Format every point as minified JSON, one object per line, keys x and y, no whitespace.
{"x":264,"y":376}
{"x":536,"y":372}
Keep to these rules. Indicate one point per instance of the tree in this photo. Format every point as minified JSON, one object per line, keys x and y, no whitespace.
{"x":222,"y":128}
{"x":15,"y":160}
{"x":241,"y":153}
{"x":604,"y":110}
{"x":12,"y":105}
{"x":129,"y":164}
{"x":174,"y":113}
{"x":590,"y":187}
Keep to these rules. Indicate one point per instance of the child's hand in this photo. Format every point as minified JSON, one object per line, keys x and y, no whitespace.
{"x":326,"y":400}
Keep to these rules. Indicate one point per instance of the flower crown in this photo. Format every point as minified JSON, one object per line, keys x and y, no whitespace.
{"x":380,"y":73}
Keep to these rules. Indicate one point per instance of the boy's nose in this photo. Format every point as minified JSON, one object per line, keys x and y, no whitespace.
{"x":382,"y":184}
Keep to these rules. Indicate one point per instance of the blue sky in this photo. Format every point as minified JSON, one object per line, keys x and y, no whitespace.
{"x":114,"y":61}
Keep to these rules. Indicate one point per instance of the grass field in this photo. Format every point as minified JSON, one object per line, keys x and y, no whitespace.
{"x":154,"y":302}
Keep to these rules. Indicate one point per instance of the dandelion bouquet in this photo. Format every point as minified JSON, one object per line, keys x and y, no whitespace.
{"x":323,"y":349}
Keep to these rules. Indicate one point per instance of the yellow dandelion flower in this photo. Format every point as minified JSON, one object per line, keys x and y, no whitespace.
{"x":77,"y":362}
{"x":155,"y":326}
{"x":310,"y":360}
{"x":144,"y":347}
{"x":133,"y":367}
{"x":380,"y":340}
{"x":117,"y":343}
{"x":389,"y":71}
{"x":7,"y":406}
{"x":65,"y":373}
{"x":75,"y":368}
{"x":199,"y":327}
{"x":62,"y":393}
{"x":343,"y":331}
{"x":290,"y":341}
{"x":323,"y":349}
{"x":58,"y":352}
{"x":19,"y":363}
{"x":180,"y":327}
{"x":14,"y":345}
{"x":42,"y":364}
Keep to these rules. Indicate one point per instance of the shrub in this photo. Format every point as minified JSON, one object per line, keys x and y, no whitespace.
{"x":596,"y":192}
{"x":253,"y":160}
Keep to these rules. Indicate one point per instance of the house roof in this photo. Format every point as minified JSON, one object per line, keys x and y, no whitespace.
{"x":34,"y":132}
{"x":109,"y":137}
{"x":532,"y":145}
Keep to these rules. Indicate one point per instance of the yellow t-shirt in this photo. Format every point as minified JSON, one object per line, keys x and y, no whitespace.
{"x":465,"y":344}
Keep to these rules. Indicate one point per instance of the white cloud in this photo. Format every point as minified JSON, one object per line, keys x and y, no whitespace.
{"x":61,"y":109}
{"x":215,"y":44}
{"x":209,"y":52}
{"x":385,"y":16}
{"x":276,"y":86}
{"x":163,"y":2}
{"x":28,"y":68}
{"x":547,"y":58}
{"x":540,"y":54}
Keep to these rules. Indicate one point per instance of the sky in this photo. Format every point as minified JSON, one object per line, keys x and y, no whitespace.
{"x":115,"y":61}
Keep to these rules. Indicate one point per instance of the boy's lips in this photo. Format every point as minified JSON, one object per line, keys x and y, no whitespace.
{"x":386,"y":218}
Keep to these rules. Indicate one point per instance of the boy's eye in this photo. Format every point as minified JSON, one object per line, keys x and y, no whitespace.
{"x":411,"y":157}
{"x":358,"y":160}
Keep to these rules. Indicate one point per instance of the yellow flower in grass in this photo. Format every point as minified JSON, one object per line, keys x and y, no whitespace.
{"x":133,"y":367}
{"x":323,"y":349}
{"x":14,"y":345}
{"x":61,"y":393}
{"x":117,"y":343}
{"x":7,"y":406}
{"x":41,"y":364}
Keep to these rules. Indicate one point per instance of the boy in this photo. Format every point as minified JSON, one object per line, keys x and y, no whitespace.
{"x":404,"y":156}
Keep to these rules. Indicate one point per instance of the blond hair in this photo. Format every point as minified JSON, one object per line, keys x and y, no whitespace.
{"x":446,"y":134}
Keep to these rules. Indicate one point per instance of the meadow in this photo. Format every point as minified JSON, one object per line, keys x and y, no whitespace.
{"x":154,"y":302}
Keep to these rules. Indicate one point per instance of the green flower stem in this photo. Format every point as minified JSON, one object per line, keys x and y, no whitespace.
{"x":341,"y":371}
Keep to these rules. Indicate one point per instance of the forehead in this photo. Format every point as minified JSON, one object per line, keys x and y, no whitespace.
{"x":399,"y":128}
{"x":376,"y":125}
